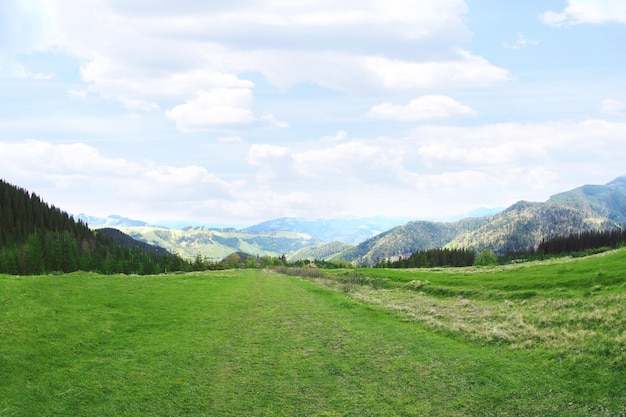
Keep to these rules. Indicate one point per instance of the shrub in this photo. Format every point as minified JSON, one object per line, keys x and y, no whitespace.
{"x":486,"y":258}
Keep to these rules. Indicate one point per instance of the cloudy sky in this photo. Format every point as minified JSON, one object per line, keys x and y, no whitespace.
{"x":247,"y":110}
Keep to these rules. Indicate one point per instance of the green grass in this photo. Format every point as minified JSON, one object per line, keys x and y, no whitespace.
{"x":255,"y":343}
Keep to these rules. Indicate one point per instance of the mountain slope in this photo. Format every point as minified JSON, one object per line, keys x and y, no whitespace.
{"x":524,"y":224}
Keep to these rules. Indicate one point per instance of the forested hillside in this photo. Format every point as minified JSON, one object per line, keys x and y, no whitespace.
{"x":523,"y":225}
{"x":36,"y":238}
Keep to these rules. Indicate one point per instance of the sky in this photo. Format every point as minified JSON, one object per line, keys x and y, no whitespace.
{"x":243,"y":111}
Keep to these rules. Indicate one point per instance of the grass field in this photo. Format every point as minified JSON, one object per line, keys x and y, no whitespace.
{"x":528,"y":340}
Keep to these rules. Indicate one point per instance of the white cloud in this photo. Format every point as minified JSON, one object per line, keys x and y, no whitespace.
{"x":434,"y":171}
{"x":272,"y":162}
{"x":147,"y":55}
{"x":230,"y":139}
{"x":422,"y":108}
{"x":218,"y":108}
{"x":258,"y":154}
{"x":267,"y":204}
{"x":612,"y":106}
{"x":77,"y":178}
{"x":521,"y":42}
{"x":516,"y":144}
{"x":272,"y":19}
{"x":24,"y":27}
{"x":340,"y":136}
{"x":361,"y":161}
{"x":465,"y":70}
{"x":585,"y":11}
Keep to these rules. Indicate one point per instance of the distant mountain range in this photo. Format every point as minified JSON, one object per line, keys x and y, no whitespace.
{"x":367,"y":240}
{"x":274,"y":238}
{"x":351,"y":230}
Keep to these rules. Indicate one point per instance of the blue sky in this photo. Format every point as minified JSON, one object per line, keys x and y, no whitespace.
{"x":244,"y":111}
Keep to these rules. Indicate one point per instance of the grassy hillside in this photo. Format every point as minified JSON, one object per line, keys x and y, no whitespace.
{"x":534,"y":339}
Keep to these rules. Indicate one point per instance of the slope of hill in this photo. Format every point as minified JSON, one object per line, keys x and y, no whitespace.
{"x":215,"y":244}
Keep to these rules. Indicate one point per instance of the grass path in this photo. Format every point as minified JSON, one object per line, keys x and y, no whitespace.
{"x":253,"y":343}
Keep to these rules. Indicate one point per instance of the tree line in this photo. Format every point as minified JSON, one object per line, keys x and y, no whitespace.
{"x":583,"y":241}
{"x":430,"y":258}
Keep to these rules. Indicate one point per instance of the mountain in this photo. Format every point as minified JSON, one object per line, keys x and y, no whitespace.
{"x":352,"y":230}
{"x":408,"y":238}
{"x":521,"y":226}
{"x":215,"y":244}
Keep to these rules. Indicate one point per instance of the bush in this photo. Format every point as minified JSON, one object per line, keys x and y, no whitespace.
{"x":486,"y":258}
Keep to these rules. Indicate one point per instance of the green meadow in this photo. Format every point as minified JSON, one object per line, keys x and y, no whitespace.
{"x":533,"y":339}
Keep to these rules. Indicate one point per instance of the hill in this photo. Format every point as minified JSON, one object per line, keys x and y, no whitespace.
{"x":520,"y":227}
{"x":36,"y":238}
